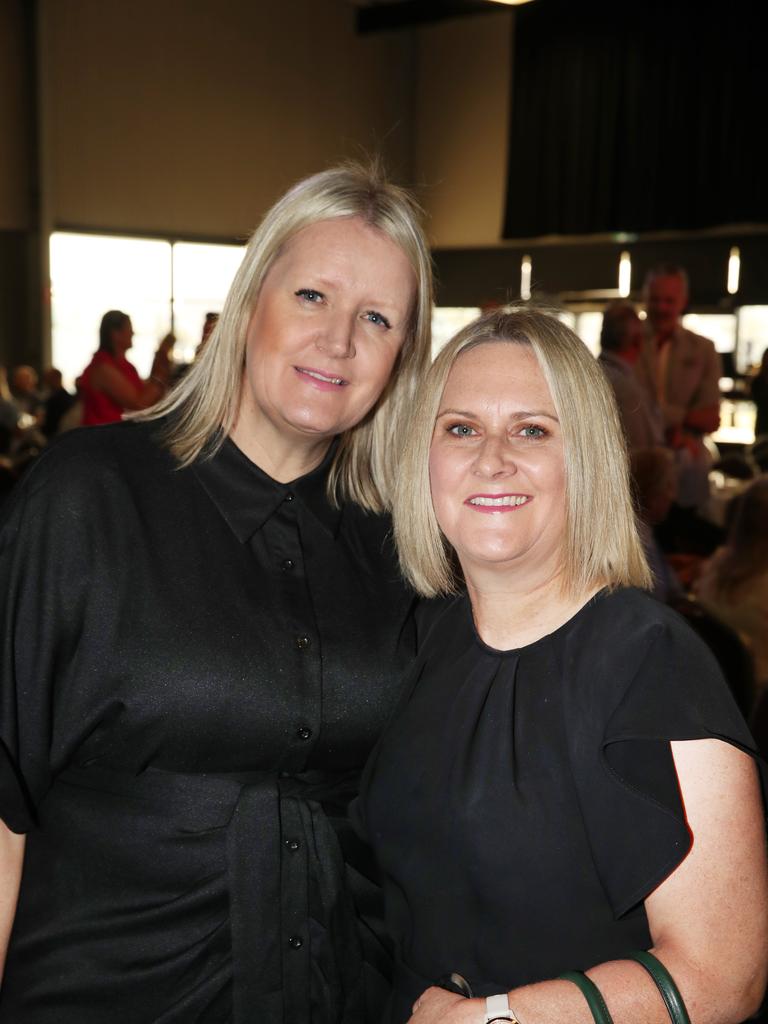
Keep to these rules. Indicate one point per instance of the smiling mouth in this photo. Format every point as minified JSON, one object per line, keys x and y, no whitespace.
{"x":324,"y":378}
{"x":498,"y":501}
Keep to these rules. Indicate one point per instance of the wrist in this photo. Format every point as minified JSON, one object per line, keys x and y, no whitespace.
{"x":497,"y":1008}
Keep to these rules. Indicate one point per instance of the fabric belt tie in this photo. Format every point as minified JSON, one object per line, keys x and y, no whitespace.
{"x":270,"y":825}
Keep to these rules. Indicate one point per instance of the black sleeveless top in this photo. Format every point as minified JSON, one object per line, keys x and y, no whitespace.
{"x":523,"y":803}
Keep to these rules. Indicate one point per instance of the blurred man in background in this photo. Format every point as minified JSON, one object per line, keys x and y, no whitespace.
{"x":681,"y":371}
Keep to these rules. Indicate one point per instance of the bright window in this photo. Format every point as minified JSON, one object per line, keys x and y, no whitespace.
{"x":160,"y":285}
{"x":447,"y":321}
{"x":753,"y":336}
{"x":202,"y":275}
{"x":718,"y":327}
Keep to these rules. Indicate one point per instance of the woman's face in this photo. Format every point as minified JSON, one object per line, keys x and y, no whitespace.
{"x":330,"y":320}
{"x":122,"y":337}
{"x":496,"y":464}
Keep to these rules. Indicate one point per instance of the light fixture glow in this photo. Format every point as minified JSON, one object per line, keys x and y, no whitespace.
{"x":511,"y":3}
{"x":625,"y":275}
{"x":734,"y":269}
{"x":526,"y":268}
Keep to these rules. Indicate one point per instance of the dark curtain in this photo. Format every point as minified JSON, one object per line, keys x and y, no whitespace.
{"x":637,"y":116}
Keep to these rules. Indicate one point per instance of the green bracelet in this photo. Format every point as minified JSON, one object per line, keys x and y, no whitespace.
{"x":592,"y":994}
{"x":665,"y":984}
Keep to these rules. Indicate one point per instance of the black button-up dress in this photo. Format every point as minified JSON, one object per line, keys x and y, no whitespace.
{"x":195,"y":665}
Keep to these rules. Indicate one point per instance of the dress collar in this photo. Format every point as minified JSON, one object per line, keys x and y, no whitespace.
{"x":247,"y":497}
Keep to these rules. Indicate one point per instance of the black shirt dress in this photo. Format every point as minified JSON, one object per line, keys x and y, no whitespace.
{"x":523,"y":803}
{"x":195,"y":665}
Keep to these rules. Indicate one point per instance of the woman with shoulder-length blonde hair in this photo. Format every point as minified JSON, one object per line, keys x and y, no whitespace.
{"x":567,"y":784}
{"x":205,"y":626}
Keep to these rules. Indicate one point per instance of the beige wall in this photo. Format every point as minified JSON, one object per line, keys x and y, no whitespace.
{"x":191,"y":116}
{"x":14,"y":110}
{"x":462,"y":119}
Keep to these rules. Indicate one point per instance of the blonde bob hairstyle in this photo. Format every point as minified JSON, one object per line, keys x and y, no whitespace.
{"x":601,"y":544}
{"x":203,"y":407}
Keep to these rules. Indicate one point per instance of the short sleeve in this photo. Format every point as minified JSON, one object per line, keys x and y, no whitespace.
{"x":625,"y":775}
{"x":41,"y":571}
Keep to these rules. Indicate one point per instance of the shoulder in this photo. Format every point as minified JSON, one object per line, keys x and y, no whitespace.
{"x":437,"y":619}
{"x":368,"y":537}
{"x":626,"y":636}
{"x":631,"y":616}
{"x":696,"y":342}
{"x":92,"y":464}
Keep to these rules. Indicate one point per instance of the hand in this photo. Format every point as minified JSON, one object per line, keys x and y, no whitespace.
{"x":166,"y":345}
{"x":437,"y":1006}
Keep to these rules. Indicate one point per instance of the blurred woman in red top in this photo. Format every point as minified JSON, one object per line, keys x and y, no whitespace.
{"x":110,"y":385}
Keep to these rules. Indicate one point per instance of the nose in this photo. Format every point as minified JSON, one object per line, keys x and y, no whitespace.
{"x":494,"y":458}
{"x":337,"y":338}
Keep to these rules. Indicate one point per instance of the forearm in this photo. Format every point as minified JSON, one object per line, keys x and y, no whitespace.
{"x":632,"y":997}
{"x":705,"y":419}
{"x":152,"y":391}
{"x":711,"y":995}
{"x":11,"y":859}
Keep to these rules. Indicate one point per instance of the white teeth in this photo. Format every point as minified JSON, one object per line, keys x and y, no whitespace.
{"x":326,"y":380}
{"x":505,"y":499}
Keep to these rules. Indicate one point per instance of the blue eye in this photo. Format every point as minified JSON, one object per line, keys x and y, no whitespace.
{"x":377,"y":318}
{"x":533,"y":431}
{"x":310,"y":295}
{"x":461,"y":430}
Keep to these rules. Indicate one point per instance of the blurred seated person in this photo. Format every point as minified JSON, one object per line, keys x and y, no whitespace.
{"x":621,"y":341}
{"x":110,"y":385}
{"x":733,"y":584}
{"x":57,"y":403}
{"x":9,"y":414}
{"x":26,"y":404}
{"x":25,"y":392}
{"x":654,"y":479}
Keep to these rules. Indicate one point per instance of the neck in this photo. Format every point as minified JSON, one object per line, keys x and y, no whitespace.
{"x":282,"y":458}
{"x":664,"y":335}
{"x":512,"y":613}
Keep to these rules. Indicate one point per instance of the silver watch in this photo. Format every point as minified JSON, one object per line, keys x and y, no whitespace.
{"x":498,"y":1008}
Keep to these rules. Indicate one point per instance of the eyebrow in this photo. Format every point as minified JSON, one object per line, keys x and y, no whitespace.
{"x":329,"y":282}
{"x":520,"y":414}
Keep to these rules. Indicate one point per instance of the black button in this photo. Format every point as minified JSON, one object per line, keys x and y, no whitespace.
{"x":292,"y":844}
{"x":303,"y":732}
{"x":289,"y":496}
{"x":303,"y":642}
{"x":295,"y":942}
{"x":287,"y":564}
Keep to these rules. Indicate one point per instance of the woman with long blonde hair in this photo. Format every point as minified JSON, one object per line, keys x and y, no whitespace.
{"x":204,"y":626}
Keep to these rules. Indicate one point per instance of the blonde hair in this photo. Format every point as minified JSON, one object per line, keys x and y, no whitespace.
{"x":601,"y":544}
{"x":203,"y":407}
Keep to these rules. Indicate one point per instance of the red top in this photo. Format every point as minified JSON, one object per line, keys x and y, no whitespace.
{"x":98,"y":407}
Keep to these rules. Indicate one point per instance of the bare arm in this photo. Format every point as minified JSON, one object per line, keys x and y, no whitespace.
{"x":11,"y":857}
{"x":109,"y":380}
{"x":705,"y":419}
{"x":708,"y":919}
